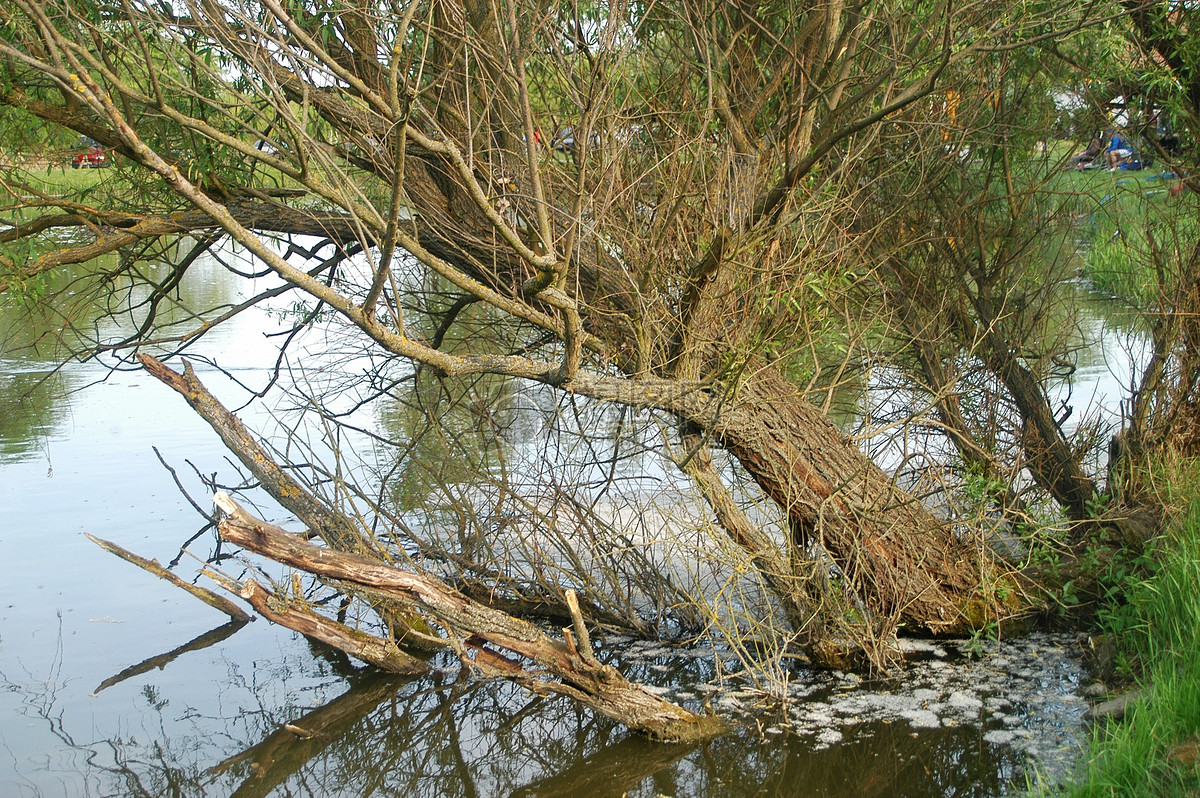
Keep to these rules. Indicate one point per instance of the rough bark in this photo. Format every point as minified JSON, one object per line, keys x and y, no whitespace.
{"x":902,"y":560}
{"x":817,"y":617}
{"x":893,"y":553}
{"x":380,"y":652}
{"x":484,"y":637}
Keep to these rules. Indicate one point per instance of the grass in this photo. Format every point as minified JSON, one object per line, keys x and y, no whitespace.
{"x":1140,"y":237}
{"x":60,"y":180}
{"x":1154,"y":616}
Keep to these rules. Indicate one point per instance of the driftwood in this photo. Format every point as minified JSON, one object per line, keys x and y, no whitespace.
{"x":204,"y":594}
{"x":338,"y":531}
{"x":485,"y":638}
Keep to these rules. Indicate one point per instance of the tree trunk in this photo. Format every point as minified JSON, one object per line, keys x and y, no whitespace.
{"x":903,"y":562}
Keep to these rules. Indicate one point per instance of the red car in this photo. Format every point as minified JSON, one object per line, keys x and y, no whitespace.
{"x":94,"y":157}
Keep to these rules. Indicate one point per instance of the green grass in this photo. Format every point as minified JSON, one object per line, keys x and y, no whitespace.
{"x":58,"y":180}
{"x":1154,"y":615}
{"x":1140,"y":237}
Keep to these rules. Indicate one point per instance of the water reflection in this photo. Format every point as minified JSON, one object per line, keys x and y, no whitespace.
{"x":372,"y":734}
{"x":211,"y":717}
{"x":83,"y":309}
{"x":160,"y":661}
{"x":33,"y":409}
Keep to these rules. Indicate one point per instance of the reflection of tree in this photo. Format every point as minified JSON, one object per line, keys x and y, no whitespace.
{"x":611,"y":771}
{"x":394,"y":738}
{"x":87,"y":304}
{"x":209,"y":638}
{"x":878,"y":759}
{"x":32,"y":409}
{"x":285,"y":751}
{"x":383,"y":736}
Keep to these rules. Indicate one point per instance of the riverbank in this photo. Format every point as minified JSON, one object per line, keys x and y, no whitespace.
{"x":1141,"y":235}
{"x":1141,"y":249}
{"x":1151,"y":616}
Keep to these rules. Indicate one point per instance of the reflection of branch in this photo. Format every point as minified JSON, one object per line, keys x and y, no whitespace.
{"x":611,"y":771}
{"x":286,"y":750}
{"x":209,"y":638}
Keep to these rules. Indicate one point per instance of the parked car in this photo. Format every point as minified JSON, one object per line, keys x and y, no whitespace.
{"x":92,"y":158}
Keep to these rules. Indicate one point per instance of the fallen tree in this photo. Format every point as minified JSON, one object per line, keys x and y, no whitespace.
{"x":482,"y":636}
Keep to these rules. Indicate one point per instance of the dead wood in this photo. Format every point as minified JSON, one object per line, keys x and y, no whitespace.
{"x":485,"y":638}
{"x":380,"y":652}
{"x":207,"y":596}
{"x":333,"y":528}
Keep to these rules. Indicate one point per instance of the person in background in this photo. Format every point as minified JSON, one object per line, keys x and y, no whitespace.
{"x":1090,"y":154}
{"x":1118,"y":150}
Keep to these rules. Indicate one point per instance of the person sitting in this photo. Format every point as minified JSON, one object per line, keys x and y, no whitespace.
{"x":1118,"y":150}
{"x":1083,"y":160}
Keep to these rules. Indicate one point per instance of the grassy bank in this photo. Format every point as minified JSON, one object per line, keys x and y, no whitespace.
{"x":1140,"y":238}
{"x":1153,"y":616}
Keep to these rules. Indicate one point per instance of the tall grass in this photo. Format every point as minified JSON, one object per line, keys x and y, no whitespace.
{"x":1155,"y":618}
{"x":1140,"y":239}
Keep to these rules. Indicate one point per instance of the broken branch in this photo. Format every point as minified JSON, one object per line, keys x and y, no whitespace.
{"x":599,"y":686}
{"x":207,"y":596}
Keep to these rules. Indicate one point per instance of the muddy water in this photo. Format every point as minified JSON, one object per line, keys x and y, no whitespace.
{"x":114,"y":684}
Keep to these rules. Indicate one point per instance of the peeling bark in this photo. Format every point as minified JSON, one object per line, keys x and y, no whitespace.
{"x":382,"y":653}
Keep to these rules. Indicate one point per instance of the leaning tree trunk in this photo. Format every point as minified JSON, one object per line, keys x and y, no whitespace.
{"x":903,"y":562}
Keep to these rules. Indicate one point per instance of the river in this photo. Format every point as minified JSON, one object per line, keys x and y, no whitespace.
{"x":113,"y":683}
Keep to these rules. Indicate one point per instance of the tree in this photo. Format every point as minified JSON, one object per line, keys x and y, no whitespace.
{"x":1161,"y":63}
{"x":987,"y":248}
{"x":635,"y":205}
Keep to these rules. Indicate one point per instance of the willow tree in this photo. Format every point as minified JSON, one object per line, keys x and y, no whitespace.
{"x":1160,"y":64}
{"x":980,"y":283}
{"x":627,"y":204}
